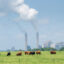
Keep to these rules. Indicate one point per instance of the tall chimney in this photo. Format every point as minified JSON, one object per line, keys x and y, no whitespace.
{"x":37,"y":41}
{"x":26,"y":41}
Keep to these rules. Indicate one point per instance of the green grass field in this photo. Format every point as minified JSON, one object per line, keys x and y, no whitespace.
{"x":44,"y":58}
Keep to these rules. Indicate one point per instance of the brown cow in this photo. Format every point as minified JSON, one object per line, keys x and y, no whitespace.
{"x":38,"y":52}
{"x":19,"y":54}
{"x":27,"y":52}
{"x":53,"y":52}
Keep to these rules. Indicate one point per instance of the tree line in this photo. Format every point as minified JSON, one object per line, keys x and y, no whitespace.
{"x":46,"y":49}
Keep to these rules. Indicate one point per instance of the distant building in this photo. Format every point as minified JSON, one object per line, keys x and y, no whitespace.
{"x":28,"y":47}
{"x":39,"y":46}
{"x":42,"y":45}
{"x":53,"y":45}
{"x":47,"y":44}
{"x":59,"y":45}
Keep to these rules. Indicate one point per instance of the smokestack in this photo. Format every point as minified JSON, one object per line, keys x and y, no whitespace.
{"x":37,"y":41}
{"x":26,"y":41}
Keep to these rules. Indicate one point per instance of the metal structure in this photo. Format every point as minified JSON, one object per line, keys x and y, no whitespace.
{"x":26,"y":43}
{"x":21,"y":30}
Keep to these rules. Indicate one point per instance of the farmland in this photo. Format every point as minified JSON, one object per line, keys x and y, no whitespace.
{"x":44,"y":58}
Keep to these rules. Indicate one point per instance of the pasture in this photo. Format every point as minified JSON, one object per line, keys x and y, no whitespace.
{"x":44,"y":58}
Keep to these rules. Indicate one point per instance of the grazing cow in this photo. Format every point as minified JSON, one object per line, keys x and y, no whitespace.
{"x":32,"y":53}
{"x":38,"y":52}
{"x":8,"y":54}
{"x":19,"y":54}
{"x":53,"y":52}
{"x":29,"y":53}
{"x":26,"y":52}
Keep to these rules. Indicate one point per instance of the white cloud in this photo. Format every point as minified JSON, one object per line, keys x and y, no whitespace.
{"x":18,"y":6}
{"x":24,"y":10}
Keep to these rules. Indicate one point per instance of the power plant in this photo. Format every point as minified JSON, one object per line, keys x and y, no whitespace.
{"x":37,"y":40}
{"x":26,"y":37}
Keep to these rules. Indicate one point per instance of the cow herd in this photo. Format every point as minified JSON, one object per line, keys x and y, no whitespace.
{"x":26,"y":53}
{"x":30,"y":53}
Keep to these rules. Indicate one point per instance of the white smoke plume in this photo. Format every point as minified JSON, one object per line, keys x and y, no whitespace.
{"x":25,"y":12}
{"x":18,"y":6}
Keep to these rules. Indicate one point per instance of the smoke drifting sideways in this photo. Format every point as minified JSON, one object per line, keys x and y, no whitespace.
{"x":34,"y":25}
{"x":26,"y":13}
{"x":25,"y":33}
{"x":19,"y":27}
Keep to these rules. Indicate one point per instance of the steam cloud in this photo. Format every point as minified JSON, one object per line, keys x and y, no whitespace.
{"x":18,"y":6}
{"x":25,"y":12}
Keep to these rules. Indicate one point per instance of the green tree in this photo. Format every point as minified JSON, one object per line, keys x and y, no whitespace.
{"x":62,"y":49}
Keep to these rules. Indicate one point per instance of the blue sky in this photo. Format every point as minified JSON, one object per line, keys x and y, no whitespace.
{"x":47,"y":16}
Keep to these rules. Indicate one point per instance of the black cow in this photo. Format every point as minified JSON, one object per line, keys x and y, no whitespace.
{"x":8,"y":54}
{"x":32,"y":53}
{"x":29,"y":53}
